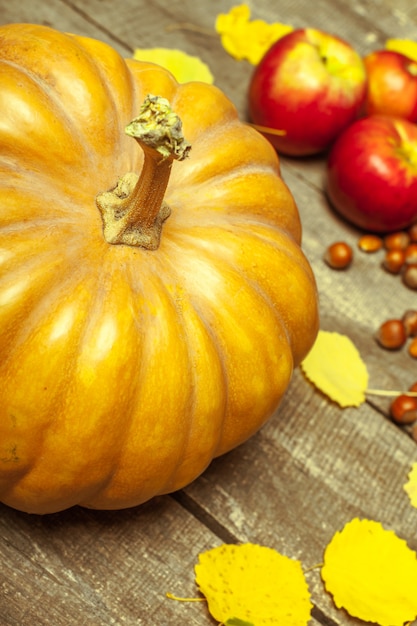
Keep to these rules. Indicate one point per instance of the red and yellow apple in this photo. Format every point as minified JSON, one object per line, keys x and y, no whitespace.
{"x":392,"y":85}
{"x":308,"y":87}
{"x":371,"y":175}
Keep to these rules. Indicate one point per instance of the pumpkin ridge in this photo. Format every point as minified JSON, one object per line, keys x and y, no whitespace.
{"x":222,"y":200}
{"x":281,"y":244}
{"x":49,"y":93}
{"x":85,"y":465}
{"x":132,"y":101}
{"x":202,"y":302}
{"x":45,"y":297}
{"x":212,"y":110}
{"x":132,"y":448}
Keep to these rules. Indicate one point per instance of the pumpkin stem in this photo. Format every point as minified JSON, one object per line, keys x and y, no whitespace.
{"x":134,"y":211}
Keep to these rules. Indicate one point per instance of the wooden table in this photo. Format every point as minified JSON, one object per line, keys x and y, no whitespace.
{"x":313,"y":467}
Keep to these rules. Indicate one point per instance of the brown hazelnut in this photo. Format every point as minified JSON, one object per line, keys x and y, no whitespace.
{"x":403,"y":409}
{"x":397,"y":241}
{"x":409,"y":276}
{"x":391,"y":334}
{"x":394,"y":260}
{"x":370,"y":243}
{"x":339,"y":255}
{"x":409,"y":319}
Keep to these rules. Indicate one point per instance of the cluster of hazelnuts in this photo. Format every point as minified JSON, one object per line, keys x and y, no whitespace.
{"x":400,"y":253}
{"x":400,"y":257}
{"x":393,"y":334}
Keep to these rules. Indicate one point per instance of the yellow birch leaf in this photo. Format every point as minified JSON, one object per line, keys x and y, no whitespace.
{"x":254,"y":585}
{"x":335,"y":366}
{"x":248,"y":39}
{"x":411,"y":486}
{"x":183,"y":67}
{"x":371,"y":573}
{"x":403,"y":46}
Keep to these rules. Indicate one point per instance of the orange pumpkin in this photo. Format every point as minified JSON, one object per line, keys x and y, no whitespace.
{"x":127,"y":366}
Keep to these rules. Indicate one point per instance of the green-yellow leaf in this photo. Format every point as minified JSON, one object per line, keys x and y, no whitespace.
{"x":335,"y":366}
{"x":183,"y":67}
{"x":371,"y":573}
{"x":250,"y":584}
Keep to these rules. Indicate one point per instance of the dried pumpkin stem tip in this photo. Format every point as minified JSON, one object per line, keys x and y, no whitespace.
{"x":158,"y":127}
{"x":134,"y":211}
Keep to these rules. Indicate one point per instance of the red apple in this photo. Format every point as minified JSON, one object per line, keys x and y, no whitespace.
{"x":371,"y":177}
{"x":392,"y":85}
{"x":310,"y":85}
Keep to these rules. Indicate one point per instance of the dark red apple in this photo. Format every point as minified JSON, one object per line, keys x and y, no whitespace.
{"x":392,"y":85}
{"x":310,"y":85}
{"x":371,"y":177}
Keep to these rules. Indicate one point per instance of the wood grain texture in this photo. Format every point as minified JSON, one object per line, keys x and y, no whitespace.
{"x":314,"y":466}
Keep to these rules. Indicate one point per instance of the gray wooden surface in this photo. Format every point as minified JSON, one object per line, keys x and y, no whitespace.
{"x":313,"y":467}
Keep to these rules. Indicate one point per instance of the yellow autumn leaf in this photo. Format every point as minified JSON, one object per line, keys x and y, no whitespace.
{"x":183,"y":67}
{"x":251,"y":584}
{"x":335,"y":366}
{"x":248,"y":39}
{"x":411,"y":486}
{"x":371,"y":573}
{"x":404,"y":46}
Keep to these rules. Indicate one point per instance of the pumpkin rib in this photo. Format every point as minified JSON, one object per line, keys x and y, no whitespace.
{"x":228,"y":198}
{"x":91,"y":119}
{"x":202,"y":300}
{"x":285,"y":252}
{"x":199,"y":331}
{"x":195,"y":451}
{"x":209,"y":168}
{"x":29,"y":210}
{"x":114,"y":76}
{"x":28,"y":436}
{"x":48,"y":287}
{"x":21,"y":182}
{"x":211,"y":110}
{"x":213,"y":165}
{"x":138,"y":445}
{"x":150,"y":78}
{"x":36,"y":87}
{"x":61,"y":478}
{"x":194,"y":243}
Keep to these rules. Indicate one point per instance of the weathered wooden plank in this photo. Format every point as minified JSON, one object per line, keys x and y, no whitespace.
{"x":89,"y":568}
{"x":61,"y":15}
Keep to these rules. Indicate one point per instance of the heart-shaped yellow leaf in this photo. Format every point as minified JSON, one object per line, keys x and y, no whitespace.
{"x":248,"y":584}
{"x":335,"y":366}
{"x":371,"y":573}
